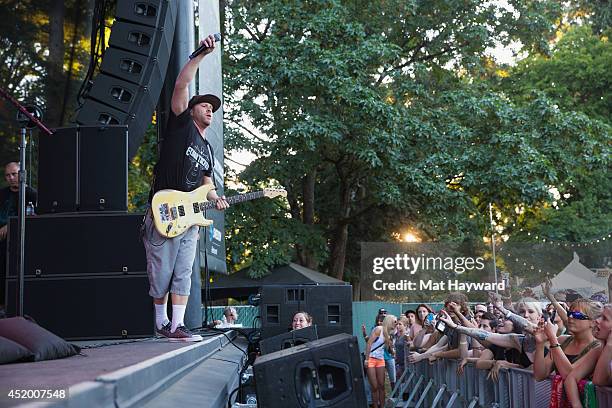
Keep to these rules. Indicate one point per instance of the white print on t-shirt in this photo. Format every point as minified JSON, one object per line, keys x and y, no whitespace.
{"x":197,"y":158}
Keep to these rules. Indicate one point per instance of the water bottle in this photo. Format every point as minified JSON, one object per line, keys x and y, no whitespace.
{"x":30,"y":209}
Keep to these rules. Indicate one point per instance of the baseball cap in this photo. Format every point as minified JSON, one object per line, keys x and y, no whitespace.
{"x":209,"y":98}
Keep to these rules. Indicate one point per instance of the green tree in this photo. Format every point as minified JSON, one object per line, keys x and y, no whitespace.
{"x":372,"y":114}
{"x":576,"y":74}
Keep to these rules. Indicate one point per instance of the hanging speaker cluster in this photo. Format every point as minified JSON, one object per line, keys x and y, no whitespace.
{"x":133,"y":68}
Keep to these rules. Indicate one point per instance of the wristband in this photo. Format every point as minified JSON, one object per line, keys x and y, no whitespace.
{"x":555,"y":345}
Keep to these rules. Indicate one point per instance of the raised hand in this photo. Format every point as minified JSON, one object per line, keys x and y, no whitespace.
{"x":539,"y":334}
{"x":550,"y":330}
{"x":444,"y":316}
{"x":454,"y":307}
{"x":496,"y":300}
{"x":546,"y":287}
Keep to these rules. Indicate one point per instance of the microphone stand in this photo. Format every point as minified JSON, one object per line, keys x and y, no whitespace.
{"x":21,"y":217}
{"x":29,"y":118}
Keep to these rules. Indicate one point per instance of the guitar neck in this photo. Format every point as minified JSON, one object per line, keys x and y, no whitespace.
{"x":240,"y":198}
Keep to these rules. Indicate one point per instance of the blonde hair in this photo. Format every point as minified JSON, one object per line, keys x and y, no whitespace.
{"x":590,"y":308}
{"x":387,"y":327}
{"x":529,"y":303}
{"x":404,"y":320}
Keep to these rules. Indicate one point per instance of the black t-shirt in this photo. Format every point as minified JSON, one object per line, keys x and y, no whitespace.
{"x":500,"y":353}
{"x":9,"y":202}
{"x":185,"y":156}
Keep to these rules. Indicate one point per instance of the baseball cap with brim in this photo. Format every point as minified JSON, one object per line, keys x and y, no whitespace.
{"x":212,"y":99}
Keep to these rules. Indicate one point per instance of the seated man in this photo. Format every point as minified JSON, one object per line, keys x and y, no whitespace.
{"x":229,"y":319}
{"x":9,"y":205}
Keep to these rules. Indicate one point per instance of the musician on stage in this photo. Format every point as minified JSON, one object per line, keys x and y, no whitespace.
{"x":186,"y":162}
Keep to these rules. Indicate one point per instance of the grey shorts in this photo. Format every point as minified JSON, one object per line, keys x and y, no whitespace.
{"x":169,"y":260}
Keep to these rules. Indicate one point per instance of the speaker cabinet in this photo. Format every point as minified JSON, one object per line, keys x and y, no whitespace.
{"x":103,"y":168}
{"x":322,"y":373}
{"x":329,"y":305}
{"x":57,"y":171}
{"x":87,"y":307}
{"x":81,"y":244}
{"x":289,"y":339}
{"x":133,"y":68}
{"x":83,"y":169}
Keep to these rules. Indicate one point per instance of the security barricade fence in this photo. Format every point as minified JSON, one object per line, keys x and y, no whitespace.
{"x":438,"y":384}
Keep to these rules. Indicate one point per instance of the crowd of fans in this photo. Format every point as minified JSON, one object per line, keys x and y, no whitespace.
{"x":570,"y":343}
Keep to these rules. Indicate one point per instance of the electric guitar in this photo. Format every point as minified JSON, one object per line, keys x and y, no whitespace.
{"x":174,"y":212}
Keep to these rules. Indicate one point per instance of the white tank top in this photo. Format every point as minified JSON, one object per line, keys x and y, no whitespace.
{"x":377,"y":350}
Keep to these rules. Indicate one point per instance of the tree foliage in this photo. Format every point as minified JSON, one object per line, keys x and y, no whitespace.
{"x":375,"y":116}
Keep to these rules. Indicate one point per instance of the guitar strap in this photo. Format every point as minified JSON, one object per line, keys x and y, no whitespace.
{"x":212,"y":161}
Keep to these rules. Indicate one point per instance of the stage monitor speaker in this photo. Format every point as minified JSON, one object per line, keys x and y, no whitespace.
{"x":289,"y":339}
{"x":133,"y":68}
{"x":322,"y":373}
{"x":83,"y":169}
{"x":88,"y":307}
{"x":78,"y":245}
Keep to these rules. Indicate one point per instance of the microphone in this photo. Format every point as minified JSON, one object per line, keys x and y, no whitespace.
{"x":203,"y":47}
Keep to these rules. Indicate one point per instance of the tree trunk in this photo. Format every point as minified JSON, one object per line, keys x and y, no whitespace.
{"x":55,"y":80}
{"x":340,"y":237}
{"x":306,"y":255}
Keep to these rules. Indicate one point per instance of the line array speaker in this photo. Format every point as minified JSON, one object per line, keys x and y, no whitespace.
{"x":133,"y":68}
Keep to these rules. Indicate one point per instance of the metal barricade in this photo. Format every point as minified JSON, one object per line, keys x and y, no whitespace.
{"x":486,"y":390}
{"x":526,"y":392}
{"x":502,"y":389}
{"x":604,"y":396}
{"x":438,"y":385}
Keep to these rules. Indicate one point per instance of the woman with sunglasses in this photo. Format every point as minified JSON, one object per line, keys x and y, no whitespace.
{"x":597,"y":361}
{"x":566,"y":350}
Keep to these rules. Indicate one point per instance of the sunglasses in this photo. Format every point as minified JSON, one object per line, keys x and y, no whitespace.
{"x":578,"y":316}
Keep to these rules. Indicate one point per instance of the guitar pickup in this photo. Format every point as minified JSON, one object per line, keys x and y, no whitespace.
{"x":181,"y":210}
{"x":196,"y":208}
{"x":174,"y":213}
{"x":164,"y":212}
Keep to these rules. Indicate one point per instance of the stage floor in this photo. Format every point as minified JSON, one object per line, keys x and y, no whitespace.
{"x":137,"y":369}
{"x":92,"y":363}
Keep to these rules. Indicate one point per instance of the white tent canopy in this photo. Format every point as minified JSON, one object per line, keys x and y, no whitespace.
{"x":577,"y":277}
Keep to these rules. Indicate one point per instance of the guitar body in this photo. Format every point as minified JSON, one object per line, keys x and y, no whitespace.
{"x":174,"y":212}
